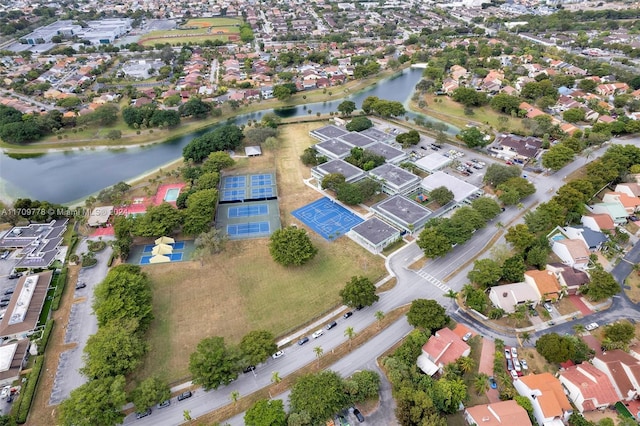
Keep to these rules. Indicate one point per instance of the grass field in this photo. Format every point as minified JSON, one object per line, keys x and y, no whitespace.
{"x":212,"y":22}
{"x":242,"y":289}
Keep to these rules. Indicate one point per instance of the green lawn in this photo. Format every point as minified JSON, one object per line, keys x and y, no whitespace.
{"x":213,"y":22}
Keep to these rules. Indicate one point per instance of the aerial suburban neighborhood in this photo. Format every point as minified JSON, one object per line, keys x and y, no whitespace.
{"x":320,"y":213}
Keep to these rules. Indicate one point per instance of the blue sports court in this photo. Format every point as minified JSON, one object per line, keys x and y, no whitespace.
{"x":327,"y":218}
{"x":175,"y":257}
{"x":231,"y":182}
{"x":261,"y":192}
{"x":178,"y":245}
{"x":233,"y":195}
{"x":142,"y":254}
{"x":261,"y":180}
{"x":248,"y":211}
{"x":248,"y":229}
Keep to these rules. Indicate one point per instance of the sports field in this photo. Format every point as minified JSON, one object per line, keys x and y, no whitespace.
{"x":213,"y":22}
{"x":195,"y":31}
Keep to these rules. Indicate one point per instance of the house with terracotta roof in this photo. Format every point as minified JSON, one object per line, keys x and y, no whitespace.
{"x":630,"y":203}
{"x":574,"y":253}
{"x":550,"y":404}
{"x":623,"y":370}
{"x":505,"y":413}
{"x":598,"y":222}
{"x":442,"y":348}
{"x":546,"y":283}
{"x":632,"y":189}
{"x":589,"y":388}
{"x":570,"y":279}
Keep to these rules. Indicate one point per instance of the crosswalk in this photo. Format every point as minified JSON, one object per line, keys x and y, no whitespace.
{"x":433,"y":280}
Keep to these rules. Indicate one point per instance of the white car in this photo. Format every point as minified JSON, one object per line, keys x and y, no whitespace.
{"x":514,"y":352}
{"x":317,"y":334}
{"x":548,"y":307}
{"x":277,"y":355}
{"x":592,"y":326}
{"x":516,"y":364}
{"x":514,"y":374}
{"x":6,"y":391}
{"x":523,"y":364}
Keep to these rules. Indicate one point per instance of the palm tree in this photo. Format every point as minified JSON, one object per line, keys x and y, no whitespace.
{"x":481,"y":383}
{"x":578,"y":328}
{"x":453,"y":295}
{"x":235,"y":395}
{"x":466,"y":364}
{"x":186,"y":414}
{"x":318,"y":351}
{"x":350,"y":333}
{"x":525,"y":337}
{"x":275,"y":377}
{"x":379,"y":317}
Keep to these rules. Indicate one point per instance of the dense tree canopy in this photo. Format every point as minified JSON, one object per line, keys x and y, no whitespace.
{"x":256,"y":346}
{"x":601,"y":286}
{"x":359,"y":291}
{"x":223,"y":138}
{"x":346,"y":107}
{"x":557,"y":157}
{"x":427,"y":314}
{"x":497,"y":174}
{"x":291,"y":246}
{"x":201,"y":208}
{"x":433,"y":243}
{"x":487,"y":207}
{"x":214,"y":363}
{"x":150,"y":392}
{"x":266,"y":412}
{"x":97,"y":402}
{"x":412,"y":137}
{"x":159,"y":220}
{"x":320,"y":395}
{"x":556,"y":349}
{"x":473,"y":137}
{"x":485,"y":272}
{"x":359,"y":124}
{"x":441,"y":195}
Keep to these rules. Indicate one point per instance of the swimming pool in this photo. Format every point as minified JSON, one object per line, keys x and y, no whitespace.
{"x":172,"y":194}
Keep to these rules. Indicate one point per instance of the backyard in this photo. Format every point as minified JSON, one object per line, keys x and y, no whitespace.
{"x":235,"y":291}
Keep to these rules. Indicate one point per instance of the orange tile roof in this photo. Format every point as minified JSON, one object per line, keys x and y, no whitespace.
{"x":553,"y":402}
{"x":546,"y":281}
{"x":626,"y":200}
{"x":461,"y":330}
{"x":592,"y":383}
{"x":501,"y":413}
{"x":445,"y":347}
{"x":603,"y":220}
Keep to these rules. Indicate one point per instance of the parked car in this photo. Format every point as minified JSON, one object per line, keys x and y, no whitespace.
{"x":507,"y":353}
{"x":347,"y":315}
{"x":548,"y":307}
{"x":5,"y":254}
{"x":516,"y":365}
{"x":523,"y":364}
{"x":4,"y":304}
{"x":184,"y":395}
{"x":514,"y":374}
{"x":493,"y":383}
{"x":8,"y":291}
{"x":164,"y":404}
{"x":248,"y":368}
{"x":141,"y":414}
{"x":509,"y":365}
{"x":303,"y":341}
{"x":317,"y":334}
{"x":277,"y":355}
{"x":5,"y":299}
{"x":331,"y":325}
{"x":592,"y":326}
{"x":514,"y":352}
{"x":358,"y":415}
{"x":467,"y":336}
{"x":533,"y":312}
{"x":80,"y":286}
{"x":15,"y":275}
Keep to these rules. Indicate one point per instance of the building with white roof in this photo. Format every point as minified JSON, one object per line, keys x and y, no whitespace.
{"x":461,"y":189}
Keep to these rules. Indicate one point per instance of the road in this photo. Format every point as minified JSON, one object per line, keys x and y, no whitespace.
{"x":46,"y":107}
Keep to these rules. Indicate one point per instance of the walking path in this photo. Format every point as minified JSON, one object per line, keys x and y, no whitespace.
{"x":486,"y":366}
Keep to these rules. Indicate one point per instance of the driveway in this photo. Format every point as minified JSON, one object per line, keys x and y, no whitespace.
{"x":582,"y":307}
{"x":82,"y":323}
{"x":486,"y":366}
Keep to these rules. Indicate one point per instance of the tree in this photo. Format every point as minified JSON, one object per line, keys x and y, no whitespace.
{"x":497,"y":174}
{"x":620,"y":332}
{"x":601,"y":286}
{"x":556,"y":349}
{"x":346,"y":107}
{"x":513,"y":269}
{"x":281,"y":92}
{"x":223,"y":138}
{"x":266,"y":413}
{"x":379,"y":316}
{"x":275,"y":377}
{"x":97,"y":402}
{"x":359,"y":124}
{"x":505,"y":103}
{"x":412,"y":137}
{"x":520,"y":187}
{"x":201,"y":208}
{"x":195,"y":108}
{"x":466,"y":364}
{"x":557,"y":157}
{"x":487,"y":207}
{"x":318,"y":351}
{"x":115,"y":349}
{"x":349,"y":333}
{"x":427,"y":314}
{"x":469,"y":97}
{"x":520,"y":237}
{"x":235,"y":395}
{"x":257,"y":345}
{"x":210,"y":243}
{"x":159,"y":220}
{"x":433,"y":243}
{"x":291,"y":246}
{"x":525,"y":403}
{"x":485,"y":272}
{"x":441,"y":195}
{"x":213,"y":363}
{"x":481,"y":383}
{"x":366,"y":384}
{"x":333,"y":181}
{"x":321,"y":395}
{"x":473,"y":137}
{"x":448,"y":394}
{"x":150,"y":392}
{"x":359,"y":291}
{"x":217,"y":161}
{"x":258,"y":135}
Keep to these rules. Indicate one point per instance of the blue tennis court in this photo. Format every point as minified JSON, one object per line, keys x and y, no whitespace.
{"x":261,"y":192}
{"x":174,"y":257}
{"x":327,"y":218}
{"x":178,"y":245}
{"x":261,"y":180}
{"x":234,"y":182}
{"x":248,"y":211}
{"x":251,"y":228}
{"x":233,"y":195}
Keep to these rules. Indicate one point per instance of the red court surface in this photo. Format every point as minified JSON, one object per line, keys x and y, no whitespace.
{"x":103,"y":232}
{"x":160,"y":196}
{"x":580,"y":305}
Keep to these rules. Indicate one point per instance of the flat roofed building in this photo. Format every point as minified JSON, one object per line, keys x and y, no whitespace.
{"x":403,"y":213}
{"x":374,"y":234}
{"x":39,"y":243}
{"x":357,"y":139}
{"x":394,"y":179}
{"x":390,"y":154}
{"x":26,"y":303}
{"x":100,"y":216}
{"x":378,"y":135}
{"x":333,"y":149}
{"x":461,"y":189}
{"x":350,"y":172}
{"x":13,"y":358}
{"x":433,"y":162}
{"x":328,"y":132}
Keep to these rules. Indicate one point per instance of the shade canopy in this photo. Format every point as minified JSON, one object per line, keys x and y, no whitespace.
{"x":162,"y":249}
{"x":158,"y":258}
{"x":165,"y":240}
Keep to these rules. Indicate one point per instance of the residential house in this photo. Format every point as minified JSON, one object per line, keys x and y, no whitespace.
{"x":630,"y":203}
{"x":457,"y":72}
{"x":592,"y":239}
{"x":546,"y":283}
{"x":573,"y":253}
{"x":588,"y":388}
{"x":508,"y":296}
{"x":449,"y":85}
{"x":513,"y":147}
{"x":570,"y":279}
{"x":610,"y":89}
{"x":632,"y":189}
{"x":505,"y":413}
{"x":615,"y":210}
{"x":623,"y":370}
{"x":442,"y":348}
{"x":550,"y":404}
{"x":532,"y":112}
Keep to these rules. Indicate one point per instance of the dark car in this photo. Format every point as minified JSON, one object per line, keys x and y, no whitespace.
{"x":358,"y":415}
{"x":164,"y":404}
{"x":331,"y":325}
{"x":15,"y":275}
{"x":359,"y":307}
{"x":5,"y":299}
{"x":248,"y":368}
{"x":184,"y":395}
{"x":80,"y":285}
{"x":8,"y":291}
{"x":142,"y":414}
{"x":303,"y":341}
{"x":347,"y":315}
{"x":4,"y":304}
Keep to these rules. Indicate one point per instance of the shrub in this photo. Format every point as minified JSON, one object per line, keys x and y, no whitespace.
{"x":28,"y":391}
{"x":88,"y":259}
{"x":42,"y":343}
{"x":96,"y":246}
{"x":60,"y":284}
